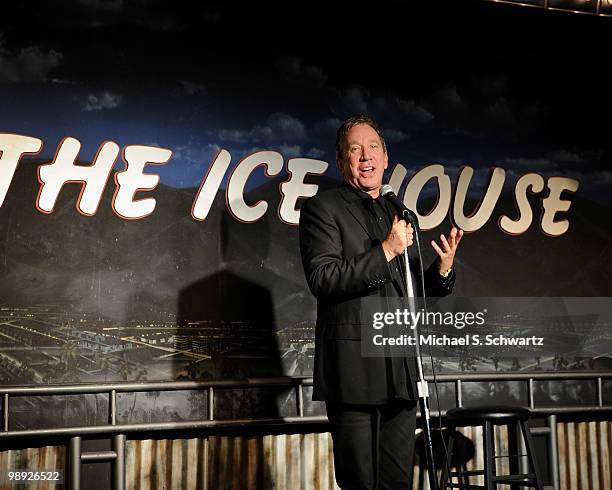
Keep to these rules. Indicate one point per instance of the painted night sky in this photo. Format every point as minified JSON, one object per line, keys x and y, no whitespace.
{"x":458,"y":83}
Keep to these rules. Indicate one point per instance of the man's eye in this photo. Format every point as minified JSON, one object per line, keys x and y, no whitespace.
{"x":374,"y":145}
{"x":353,"y":149}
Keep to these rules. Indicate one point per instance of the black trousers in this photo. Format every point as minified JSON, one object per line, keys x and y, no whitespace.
{"x":373,"y":445}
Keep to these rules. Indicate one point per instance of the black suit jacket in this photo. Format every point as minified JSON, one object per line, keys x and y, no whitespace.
{"x":344,"y":263}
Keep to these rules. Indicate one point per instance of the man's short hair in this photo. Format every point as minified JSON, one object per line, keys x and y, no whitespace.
{"x":350,"y":123}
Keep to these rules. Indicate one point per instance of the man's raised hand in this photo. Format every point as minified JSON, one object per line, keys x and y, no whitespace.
{"x":446,"y":251}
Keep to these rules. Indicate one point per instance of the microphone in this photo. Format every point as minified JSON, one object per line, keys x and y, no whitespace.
{"x":387,"y":192}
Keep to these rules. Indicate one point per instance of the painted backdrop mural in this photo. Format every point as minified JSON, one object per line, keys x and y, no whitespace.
{"x":154,"y":160}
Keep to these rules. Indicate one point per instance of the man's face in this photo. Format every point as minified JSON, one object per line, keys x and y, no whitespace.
{"x":364,"y":161}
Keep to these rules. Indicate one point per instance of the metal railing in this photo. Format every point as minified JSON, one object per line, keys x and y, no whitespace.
{"x":119,"y":431}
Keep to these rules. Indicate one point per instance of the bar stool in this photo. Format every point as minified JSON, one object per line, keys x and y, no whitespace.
{"x":488,"y":417}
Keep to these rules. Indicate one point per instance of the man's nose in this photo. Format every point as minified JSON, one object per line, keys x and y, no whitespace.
{"x":366,"y":154}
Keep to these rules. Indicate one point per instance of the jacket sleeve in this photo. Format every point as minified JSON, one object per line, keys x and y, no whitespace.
{"x":329,"y":272}
{"x":436,"y":285}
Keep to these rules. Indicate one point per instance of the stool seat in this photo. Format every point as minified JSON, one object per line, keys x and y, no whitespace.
{"x":496,"y":414}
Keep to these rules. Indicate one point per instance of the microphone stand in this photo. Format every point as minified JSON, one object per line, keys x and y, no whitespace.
{"x":422,"y":386}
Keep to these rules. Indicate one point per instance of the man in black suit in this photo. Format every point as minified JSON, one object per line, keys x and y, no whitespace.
{"x":352,"y":243}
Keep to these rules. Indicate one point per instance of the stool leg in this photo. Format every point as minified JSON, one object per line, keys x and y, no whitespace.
{"x":465,"y":479}
{"x":531,"y":455}
{"x":513,"y":447}
{"x":489,"y":455}
{"x":447,"y":464}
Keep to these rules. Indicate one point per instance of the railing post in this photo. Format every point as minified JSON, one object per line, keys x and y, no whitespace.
{"x":599,"y":391}
{"x":5,"y":412}
{"x":553,"y":451}
{"x":119,"y":463}
{"x":74,"y":458}
{"x":211,"y":403}
{"x":211,"y":416}
{"x":458,"y":394}
{"x":205,"y":464}
{"x":300,"y":400}
{"x":113,"y":407}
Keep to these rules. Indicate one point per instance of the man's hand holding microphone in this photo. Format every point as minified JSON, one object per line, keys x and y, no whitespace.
{"x":400,"y":237}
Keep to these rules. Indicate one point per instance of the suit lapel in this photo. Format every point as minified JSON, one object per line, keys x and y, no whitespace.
{"x":355,"y":207}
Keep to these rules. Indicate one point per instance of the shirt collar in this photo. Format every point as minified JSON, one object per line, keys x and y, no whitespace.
{"x":363,"y":195}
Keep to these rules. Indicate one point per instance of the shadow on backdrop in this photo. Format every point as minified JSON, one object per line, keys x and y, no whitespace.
{"x":229,"y":318}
